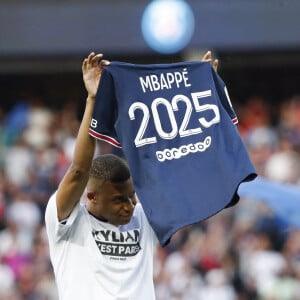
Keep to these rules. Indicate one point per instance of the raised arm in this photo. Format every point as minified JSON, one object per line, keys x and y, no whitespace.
{"x":76,"y":177}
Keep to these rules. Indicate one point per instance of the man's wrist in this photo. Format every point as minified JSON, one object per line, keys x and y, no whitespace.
{"x":91,"y":98}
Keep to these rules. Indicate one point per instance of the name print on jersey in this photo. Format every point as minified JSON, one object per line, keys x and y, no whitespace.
{"x":118,"y":244}
{"x":166,"y":80}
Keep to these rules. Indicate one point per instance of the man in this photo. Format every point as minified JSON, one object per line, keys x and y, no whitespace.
{"x":102,"y":248}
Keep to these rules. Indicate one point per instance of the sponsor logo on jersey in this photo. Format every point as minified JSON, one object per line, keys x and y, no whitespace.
{"x":175,"y":153}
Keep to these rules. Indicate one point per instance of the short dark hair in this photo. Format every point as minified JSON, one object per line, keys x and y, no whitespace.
{"x":110,"y":167}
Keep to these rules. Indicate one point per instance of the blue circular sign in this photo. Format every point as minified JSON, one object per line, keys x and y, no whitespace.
{"x":168,"y":25}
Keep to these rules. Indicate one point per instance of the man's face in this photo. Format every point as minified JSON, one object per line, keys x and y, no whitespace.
{"x":115,"y":202}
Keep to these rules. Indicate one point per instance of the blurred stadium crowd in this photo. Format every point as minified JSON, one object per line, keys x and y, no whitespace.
{"x":242,"y":253}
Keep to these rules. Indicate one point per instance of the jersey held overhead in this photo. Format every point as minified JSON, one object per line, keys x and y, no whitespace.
{"x":176,"y":127}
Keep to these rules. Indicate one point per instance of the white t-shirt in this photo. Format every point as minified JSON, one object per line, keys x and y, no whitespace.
{"x":97,"y":260}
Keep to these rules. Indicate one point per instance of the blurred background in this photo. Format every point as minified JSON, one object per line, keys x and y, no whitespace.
{"x":248,"y":252}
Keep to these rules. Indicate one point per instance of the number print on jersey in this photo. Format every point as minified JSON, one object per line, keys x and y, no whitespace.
{"x":165,"y":135}
{"x":183,"y":131}
{"x":199,"y":108}
{"x":94,"y":123}
{"x":139,"y":140}
{"x":170,"y":108}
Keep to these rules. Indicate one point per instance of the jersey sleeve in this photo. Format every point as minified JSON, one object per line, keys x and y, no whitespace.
{"x":105,"y":111}
{"x":224,"y":97}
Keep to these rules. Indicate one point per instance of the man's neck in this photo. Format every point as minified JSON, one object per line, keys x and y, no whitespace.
{"x":99,"y":218}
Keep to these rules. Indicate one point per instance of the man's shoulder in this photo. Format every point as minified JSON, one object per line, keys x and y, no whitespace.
{"x":51,"y":210}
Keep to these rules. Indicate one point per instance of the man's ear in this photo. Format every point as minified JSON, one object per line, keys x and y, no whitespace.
{"x":90,"y":196}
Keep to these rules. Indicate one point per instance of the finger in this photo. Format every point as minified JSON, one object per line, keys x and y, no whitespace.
{"x":87,"y":60}
{"x":207,"y":56}
{"x":104,"y":62}
{"x":216,"y":64}
{"x":84,"y":64}
{"x":90,"y":58}
{"x":96,"y":58}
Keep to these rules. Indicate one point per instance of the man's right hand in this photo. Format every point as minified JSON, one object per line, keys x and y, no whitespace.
{"x":92,"y":68}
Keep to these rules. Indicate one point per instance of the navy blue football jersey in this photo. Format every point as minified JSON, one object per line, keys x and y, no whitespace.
{"x":176,"y":127}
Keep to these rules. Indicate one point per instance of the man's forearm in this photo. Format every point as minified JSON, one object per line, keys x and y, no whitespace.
{"x":85,"y":144}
